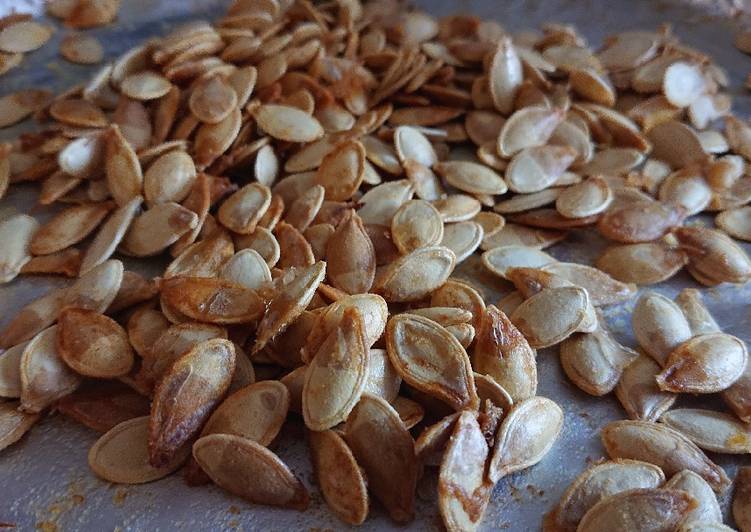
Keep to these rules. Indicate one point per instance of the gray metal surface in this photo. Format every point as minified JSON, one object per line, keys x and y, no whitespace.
{"x":44,"y":479}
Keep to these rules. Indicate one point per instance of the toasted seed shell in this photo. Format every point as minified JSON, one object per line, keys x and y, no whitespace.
{"x":710,"y":430}
{"x":736,"y":222}
{"x":535,"y":169}
{"x":415,"y":275}
{"x":16,"y":233}
{"x":82,"y":49}
{"x":463,"y":238}
{"x":471,"y":177}
{"x":699,"y":319}
{"x":589,"y":197}
{"x":463,"y":490}
{"x":526,"y":435}
{"x":212,"y":99}
{"x":67,"y":228}
{"x":501,"y":259}
{"x":288,"y":123}
{"x":385,"y":450}
{"x":33,"y":318}
{"x":158,"y":228}
{"x":93,"y":344}
{"x":642,"y":222}
{"x":186,"y":395}
{"x":354,"y":271}
{"x":551,"y":315}
{"x":175,"y":341}
{"x":416,"y":224}
{"x":595,"y":361}
{"x":707,"y":363}
{"x":169,"y":178}
{"x":289,"y":302}
{"x":212,"y":300}
{"x":342,"y":483}
{"x":642,"y":264}
{"x":742,"y":499}
{"x":412,"y":145}
{"x":660,"y":445}
{"x":526,"y":128}
{"x":683,"y":83}
{"x":121,"y":455}
{"x":24,"y":36}
{"x":638,"y":392}
{"x":335,"y":378}
{"x":640,"y":509}
{"x":249,"y":470}
{"x":122,"y":168}
{"x":430,"y":359}
{"x":707,"y":508}
{"x":503,"y":353}
{"x":504,"y":76}
{"x":603,"y":289}
{"x":16,"y":106}
{"x":659,"y":326}
{"x":713,"y":256}
{"x":342,"y":171}
{"x":44,"y":376}
{"x":212,"y":140}
{"x":10,"y":371}
{"x":14,"y":423}
{"x":242,"y":211}
{"x":599,"y":482}
{"x":255,"y":412}
{"x":146,"y":85}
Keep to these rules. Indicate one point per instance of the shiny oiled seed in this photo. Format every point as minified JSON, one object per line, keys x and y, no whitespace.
{"x":471,"y":177}
{"x":598,"y":482}
{"x":736,"y":223}
{"x":707,"y":509}
{"x":713,"y":256}
{"x":537,"y":168}
{"x":157,"y":228}
{"x":44,"y":376}
{"x":33,"y":318}
{"x":17,"y":106}
{"x":642,"y":264}
{"x":710,"y":430}
{"x":526,"y":435}
{"x":212,"y":300}
{"x":552,"y":315}
{"x":342,"y":483}
{"x":82,"y":49}
{"x":169,"y":178}
{"x":501,"y":259}
{"x":639,"y":222}
{"x":415,"y":275}
{"x":17,"y":233}
{"x":659,"y":326}
{"x":288,"y":123}
{"x":589,"y":197}
{"x":416,"y":224}
{"x":526,"y":128}
{"x":706,"y":363}
{"x":186,"y":395}
{"x":242,"y":211}
{"x":603,"y":289}
{"x":121,"y":455}
{"x":660,"y":445}
{"x":68,"y":227}
{"x":93,"y":344}
{"x":14,"y":423}
{"x":505,"y":75}
{"x":249,"y":470}
{"x":430,"y":359}
{"x":462,"y":473}
{"x":247,"y":268}
{"x":503,"y":353}
{"x":386,"y":451}
{"x":638,"y":392}
{"x":335,"y":378}
{"x":699,"y":319}
{"x":352,"y":271}
{"x":642,"y":509}
{"x":173,"y":342}
{"x":122,"y":168}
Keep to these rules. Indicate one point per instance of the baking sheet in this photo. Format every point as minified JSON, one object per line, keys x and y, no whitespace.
{"x":44,"y":479}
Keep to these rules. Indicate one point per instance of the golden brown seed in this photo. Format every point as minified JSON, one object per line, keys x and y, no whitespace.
{"x":552,"y":315}
{"x":249,"y":470}
{"x":659,"y":326}
{"x":69,"y":227}
{"x":415,"y":275}
{"x":14,"y":423}
{"x":212,"y":300}
{"x":353,"y":270}
{"x":638,"y":392}
{"x":642,"y":264}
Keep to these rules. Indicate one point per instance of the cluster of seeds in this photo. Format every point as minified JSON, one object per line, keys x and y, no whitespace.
{"x":316,"y":173}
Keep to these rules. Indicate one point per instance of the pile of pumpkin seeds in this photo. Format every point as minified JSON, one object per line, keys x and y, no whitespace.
{"x":316,"y":172}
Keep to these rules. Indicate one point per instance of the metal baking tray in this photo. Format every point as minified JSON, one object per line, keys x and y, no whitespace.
{"x":45,"y":481}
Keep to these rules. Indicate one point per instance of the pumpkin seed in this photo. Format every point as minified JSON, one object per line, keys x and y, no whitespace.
{"x":552,"y":315}
{"x":201,"y":259}
{"x":212,"y":99}
{"x":471,"y":177}
{"x":706,"y":363}
{"x":501,"y":259}
{"x":342,"y":483}
{"x":463,"y":238}
{"x":288,"y":123}
{"x":10,"y":371}
{"x":662,"y":446}
{"x":676,"y":144}
{"x":713,"y":257}
{"x":380,"y":203}
{"x":504,"y":76}
{"x":645,"y":509}
{"x":386,"y":451}
{"x":185,"y":397}
{"x":335,"y":378}
{"x":17,"y":106}
{"x":683,"y":83}
{"x":263,"y":242}
{"x":352,"y":272}
{"x":169,"y":178}
{"x":342,"y":171}
{"x":527,"y":128}
{"x":146,"y":85}
{"x":249,"y":470}
{"x":463,"y":472}
{"x":82,"y":49}
{"x":416,"y":274}
{"x":710,"y":430}
{"x":659,"y":326}
{"x":157,"y":228}
{"x":526,"y":435}
{"x":595,"y":361}
{"x":93,"y":344}
{"x":24,"y":36}
{"x":96,"y":289}
{"x":416,"y":224}
{"x":412,"y":145}
{"x":33,"y":318}
{"x":44,"y":376}
{"x":642,"y":264}
{"x":604,"y":289}
{"x":14,"y":424}
{"x":641,"y":222}
{"x":122,"y":168}
{"x":17,"y":233}
{"x":598,"y":482}
{"x":699,"y":319}
{"x":707,"y":507}
{"x":522,"y":236}
{"x":503,"y":353}
{"x":242,"y":211}
{"x":638,"y":392}
{"x":457,"y":208}
{"x":537,"y":168}
{"x":212,"y":300}
{"x":174,"y":341}
{"x":589,"y":197}
{"x":736,"y":222}
{"x":121,"y":455}
{"x":686,"y":190}
{"x":304,"y":209}
{"x":68,"y":227}
{"x":430,"y":359}
{"x":247,"y":268}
